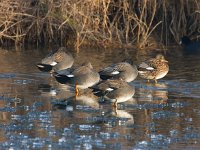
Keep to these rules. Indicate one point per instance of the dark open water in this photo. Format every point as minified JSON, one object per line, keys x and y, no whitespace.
{"x":161,"y":116}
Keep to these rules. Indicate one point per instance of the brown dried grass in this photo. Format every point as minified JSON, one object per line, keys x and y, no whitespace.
{"x":104,"y":23}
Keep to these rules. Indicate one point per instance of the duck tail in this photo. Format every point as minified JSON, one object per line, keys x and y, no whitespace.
{"x":105,"y":76}
{"x":44,"y":67}
{"x":63,"y":79}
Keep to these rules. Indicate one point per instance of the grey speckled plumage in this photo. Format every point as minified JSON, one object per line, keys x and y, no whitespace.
{"x":59,"y":60}
{"x":83,"y":77}
{"x":122,"y":70}
{"x":116,"y":91}
{"x":153,"y":69}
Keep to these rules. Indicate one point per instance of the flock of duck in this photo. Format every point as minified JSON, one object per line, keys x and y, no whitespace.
{"x":112,"y":82}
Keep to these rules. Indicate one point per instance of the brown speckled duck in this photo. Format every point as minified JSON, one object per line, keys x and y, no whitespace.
{"x":154,"y":69}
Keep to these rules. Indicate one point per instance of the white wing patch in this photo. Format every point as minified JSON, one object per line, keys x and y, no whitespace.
{"x":141,"y":72}
{"x":70,"y":75}
{"x":115,"y":72}
{"x":150,"y":68}
{"x":40,"y":66}
{"x":109,"y":89}
{"x":53,"y":63}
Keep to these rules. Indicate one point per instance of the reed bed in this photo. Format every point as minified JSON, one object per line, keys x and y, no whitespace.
{"x":104,"y":23}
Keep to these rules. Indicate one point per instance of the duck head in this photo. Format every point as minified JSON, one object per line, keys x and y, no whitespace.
{"x":161,"y":58}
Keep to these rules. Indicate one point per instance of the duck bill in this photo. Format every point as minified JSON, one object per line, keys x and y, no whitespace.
{"x":165,"y":61}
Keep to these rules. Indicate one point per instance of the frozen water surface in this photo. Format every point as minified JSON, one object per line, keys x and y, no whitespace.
{"x":38,"y":113}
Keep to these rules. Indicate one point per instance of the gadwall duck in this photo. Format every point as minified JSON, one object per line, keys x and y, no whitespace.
{"x":82,"y":77}
{"x":116,"y":91}
{"x":154,"y":69}
{"x":59,"y":60}
{"x":123,"y":70}
{"x":189,"y":46}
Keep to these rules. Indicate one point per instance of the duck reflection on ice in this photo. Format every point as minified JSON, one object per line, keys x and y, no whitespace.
{"x":117,"y":117}
{"x":58,"y":92}
{"x":46,"y":90}
{"x":153,"y":92}
{"x":85,"y":98}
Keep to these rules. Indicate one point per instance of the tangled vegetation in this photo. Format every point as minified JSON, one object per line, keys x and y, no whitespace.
{"x":98,"y":22}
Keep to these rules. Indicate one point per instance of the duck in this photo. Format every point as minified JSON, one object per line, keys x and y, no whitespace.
{"x":189,"y":46}
{"x":81,"y":77}
{"x":154,"y":68}
{"x":114,"y":91}
{"x":59,"y":60}
{"x":123,"y":70}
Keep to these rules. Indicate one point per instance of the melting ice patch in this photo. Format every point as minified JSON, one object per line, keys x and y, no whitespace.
{"x":164,"y":114}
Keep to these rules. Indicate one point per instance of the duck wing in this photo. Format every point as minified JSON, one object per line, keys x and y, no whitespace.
{"x":112,"y":71}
